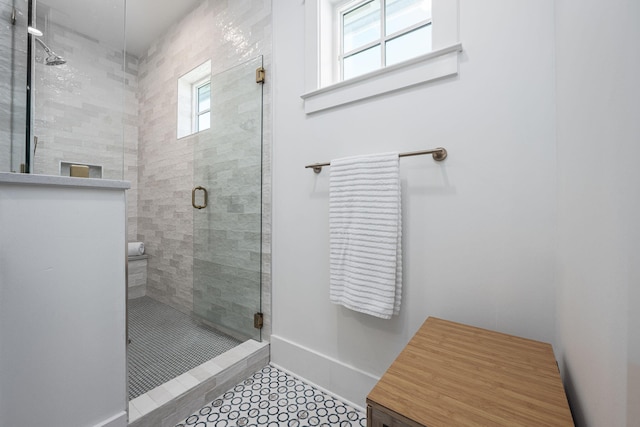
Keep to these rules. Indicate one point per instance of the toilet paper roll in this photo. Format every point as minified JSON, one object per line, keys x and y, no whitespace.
{"x":135,"y":249}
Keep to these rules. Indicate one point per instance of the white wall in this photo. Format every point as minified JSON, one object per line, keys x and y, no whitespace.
{"x":479,"y":228}
{"x":598,"y":208}
{"x":62,"y":304}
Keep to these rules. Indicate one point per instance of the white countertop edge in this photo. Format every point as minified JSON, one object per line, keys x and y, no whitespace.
{"x":63,"y":181}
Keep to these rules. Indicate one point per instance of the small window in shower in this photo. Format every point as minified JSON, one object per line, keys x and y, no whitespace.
{"x":194,"y":100}
{"x":202,"y":105}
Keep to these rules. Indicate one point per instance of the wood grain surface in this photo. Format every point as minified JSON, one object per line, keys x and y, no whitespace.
{"x":452,"y":374}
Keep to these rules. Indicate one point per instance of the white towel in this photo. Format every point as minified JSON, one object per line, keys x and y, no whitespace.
{"x":135,"y":248}
{"x":365,"y":222}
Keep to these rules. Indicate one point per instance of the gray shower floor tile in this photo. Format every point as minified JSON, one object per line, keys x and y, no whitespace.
{"x":271,"y":397}
{"x":166,"y":343}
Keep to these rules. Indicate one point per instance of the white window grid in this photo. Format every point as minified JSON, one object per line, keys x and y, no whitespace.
{"x":352,"y":5}
{"x":195,"y":103}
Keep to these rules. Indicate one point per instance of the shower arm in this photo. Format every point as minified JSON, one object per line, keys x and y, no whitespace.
{"x":52,"y":57}
{"x":46,"y":48}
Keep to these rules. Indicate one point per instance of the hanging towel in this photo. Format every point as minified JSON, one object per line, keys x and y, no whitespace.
{"x":365,"y":225}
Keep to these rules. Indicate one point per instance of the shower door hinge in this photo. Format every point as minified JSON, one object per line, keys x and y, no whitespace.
{"x":260,"y":75}
{"x":258,"y":320}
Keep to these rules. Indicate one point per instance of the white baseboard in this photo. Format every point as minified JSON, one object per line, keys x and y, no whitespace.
{"x":332,"y":376}
{"x":119,"y":420}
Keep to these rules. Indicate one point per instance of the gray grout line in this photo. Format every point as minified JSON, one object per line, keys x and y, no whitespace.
{"x":166,"y":343}
{"x":271,"y":397}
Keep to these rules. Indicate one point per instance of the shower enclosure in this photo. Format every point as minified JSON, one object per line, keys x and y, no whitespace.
{"x":226,"y":209}
{"x":228,"y":227}
{"x":66,"y":105}
{"x":78,"y":88}
{"x":86,"y":104}
{"x":13,"y":81}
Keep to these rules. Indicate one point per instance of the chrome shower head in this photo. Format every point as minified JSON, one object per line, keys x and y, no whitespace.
{"x":55,"y":60}
{"x":52,"y":58}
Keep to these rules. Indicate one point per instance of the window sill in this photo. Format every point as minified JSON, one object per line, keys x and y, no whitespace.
{"x":434,"y":65}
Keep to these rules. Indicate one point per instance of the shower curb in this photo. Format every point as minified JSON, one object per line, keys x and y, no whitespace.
{"x":171,"y":402}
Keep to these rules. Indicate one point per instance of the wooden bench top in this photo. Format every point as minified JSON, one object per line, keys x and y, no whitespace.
{"x":452,"y":374}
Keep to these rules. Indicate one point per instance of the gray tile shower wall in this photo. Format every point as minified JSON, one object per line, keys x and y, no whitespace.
{"x":130,"y":122}
{"x":228,"y":33}
{"x":82,"y":111}
{"x":13,"y":81}
{"x":78,"y":112}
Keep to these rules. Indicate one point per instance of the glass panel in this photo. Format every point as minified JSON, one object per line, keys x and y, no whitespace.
{"x":227,"y":233}
{"x":84,"y":93}
{"x":204,"y":121}
{"x":361,"y":26}
{"x":13,"y":83}
{"x":204,"y":98}
{"x":410,"y":45}
{"x":362,"y":62}
{"x":401,"y":14}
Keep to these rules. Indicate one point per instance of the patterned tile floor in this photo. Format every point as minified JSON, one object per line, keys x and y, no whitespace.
{"x":273,"y":398}
{"x":166,"y":343}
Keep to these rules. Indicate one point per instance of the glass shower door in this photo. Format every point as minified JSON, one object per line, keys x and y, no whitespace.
{"x":227,"y":199}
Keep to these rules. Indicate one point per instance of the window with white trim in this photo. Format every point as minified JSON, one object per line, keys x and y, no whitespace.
{"x":194,"y":100}
{"x":202,"y":105}
{"x":378,"y":33}
{"x":360,"y":49}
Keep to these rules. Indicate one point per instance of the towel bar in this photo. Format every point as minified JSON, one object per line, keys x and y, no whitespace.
{"x":439,"y":154}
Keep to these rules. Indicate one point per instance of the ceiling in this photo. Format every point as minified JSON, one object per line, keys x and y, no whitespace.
{"x":148,"y":19}
{"x":103,"y":19}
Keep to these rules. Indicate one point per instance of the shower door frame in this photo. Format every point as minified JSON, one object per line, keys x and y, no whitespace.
{"x":252,"y":321}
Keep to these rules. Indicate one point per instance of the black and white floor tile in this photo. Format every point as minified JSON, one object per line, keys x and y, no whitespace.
{"x":273,"y":398}
{"x":166,"y":343}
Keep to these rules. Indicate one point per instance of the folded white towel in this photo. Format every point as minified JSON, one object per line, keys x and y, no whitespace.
{"x":365,"y":222}
{"x":135,"y":249}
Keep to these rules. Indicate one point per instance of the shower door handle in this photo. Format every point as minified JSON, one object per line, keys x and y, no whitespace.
{"x":193,"y":197}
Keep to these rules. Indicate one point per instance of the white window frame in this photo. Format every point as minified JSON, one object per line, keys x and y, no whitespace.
{"x":323,"y":88}
{"x":187,"y":98}
{"x":195,"y":104}
{"x":350,"y":6}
